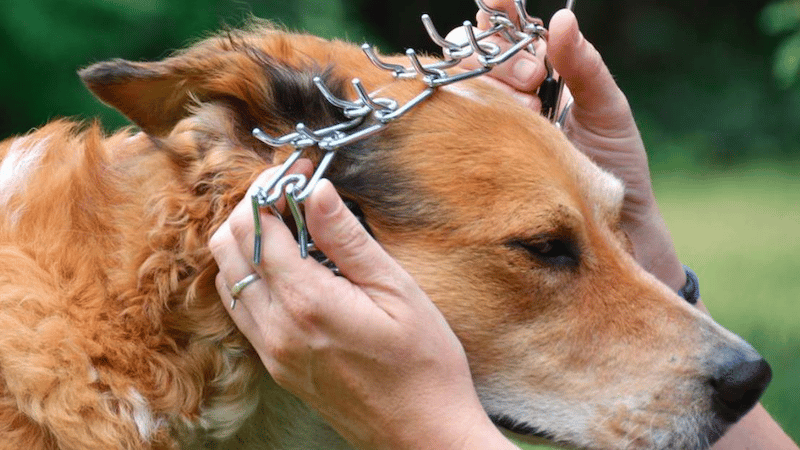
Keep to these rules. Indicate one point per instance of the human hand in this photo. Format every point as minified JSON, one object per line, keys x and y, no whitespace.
{"x":599,"y":123}
{"x":369,"y":351}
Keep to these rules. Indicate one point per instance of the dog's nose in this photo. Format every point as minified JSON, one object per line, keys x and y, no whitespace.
{"x":739,"y":382}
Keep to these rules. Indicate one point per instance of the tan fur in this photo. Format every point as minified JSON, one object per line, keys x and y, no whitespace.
{"x":111,"y":332}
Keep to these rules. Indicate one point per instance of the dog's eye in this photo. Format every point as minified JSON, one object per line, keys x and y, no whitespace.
{"x":552,"y":252}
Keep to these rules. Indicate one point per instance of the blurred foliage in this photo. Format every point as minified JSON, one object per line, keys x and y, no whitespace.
{"x":697,"y":73}
{"x":784,"y":18}
{"x":44,"y":42}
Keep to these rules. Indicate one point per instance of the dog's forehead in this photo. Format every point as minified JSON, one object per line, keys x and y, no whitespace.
{"x":479,"y":151}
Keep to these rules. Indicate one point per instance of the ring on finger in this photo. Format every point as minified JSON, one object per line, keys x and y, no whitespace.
{"x":239,"y":286}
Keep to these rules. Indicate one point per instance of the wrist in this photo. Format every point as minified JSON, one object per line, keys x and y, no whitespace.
{"x":466,"y":429}
{"x":486,"y":435}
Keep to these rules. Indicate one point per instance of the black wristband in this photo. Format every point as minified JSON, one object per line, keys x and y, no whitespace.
{"x":691,"y":290}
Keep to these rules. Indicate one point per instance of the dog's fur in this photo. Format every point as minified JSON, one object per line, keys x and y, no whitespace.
{"x":113,"y":336}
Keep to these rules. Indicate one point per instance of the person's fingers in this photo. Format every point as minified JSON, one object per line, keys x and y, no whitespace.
{"x":594,"y":90}
{"x":252,"y":301}
{"x":302,"y":166}
{"x":523,"y":71}
{"x":530,"y":101}
{"x":269,"y":334}
{"x":241,"y":314}
{"x":279,"y":251}
{"x":343,"y":239}
{"x":234,"y":267}
{"x":285,"y":292}
{"x":366,"y":264}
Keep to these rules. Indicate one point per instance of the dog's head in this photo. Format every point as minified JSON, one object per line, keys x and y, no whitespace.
{"x":511,"y":231}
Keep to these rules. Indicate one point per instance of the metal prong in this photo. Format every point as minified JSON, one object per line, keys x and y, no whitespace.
{"x":303,"y":130}
{"x":332,"y":99}
{"x":364,"y":96}
{"x":491,"y":11}
{"x":419,"y":67}
{"x":272,"y":197}
{"x":436,"y":37}
{"x":476,"y":45}
{"x":271,"y":141}
{"x":257,"y":226}
{"x":315,"y":177}
{"x":527,"y":23}
{"x":302,"y":231}
{"x":275,"y":212}
{"x":396,"y":69}
{"x":562,"y":118}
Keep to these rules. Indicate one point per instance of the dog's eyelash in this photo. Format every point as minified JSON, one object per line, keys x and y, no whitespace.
{"x":553,"y":252}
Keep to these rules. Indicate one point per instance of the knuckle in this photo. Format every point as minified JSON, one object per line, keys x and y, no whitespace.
{"x":220,"y":283}
{"x":220,"y":240}
{"x":279,"y":349}
{"x":351,"y":237}
{"x":278,"y":372}
{"x":305,"y":313}
{"x":281,"y":354}
{"x":240,"y":224}
{"x":302,"y":306}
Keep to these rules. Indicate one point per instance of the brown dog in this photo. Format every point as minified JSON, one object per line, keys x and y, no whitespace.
{"x":112,"y":334}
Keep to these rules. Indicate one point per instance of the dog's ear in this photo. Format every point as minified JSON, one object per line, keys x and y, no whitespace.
{"x":155,"y":95}
{"x":146,"y":93}
{"x":265,"y":71}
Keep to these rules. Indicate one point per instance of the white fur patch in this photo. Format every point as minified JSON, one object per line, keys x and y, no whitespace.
{"x":141,"y":415}
{"x":462,"y":91}
{"x":21,"y":160}
{"x":539,"y":410}
{"x":606,"y":190}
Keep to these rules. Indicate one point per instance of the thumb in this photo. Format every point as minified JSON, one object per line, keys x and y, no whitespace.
{"x":339,"y":234}
{"x":595,"y":92}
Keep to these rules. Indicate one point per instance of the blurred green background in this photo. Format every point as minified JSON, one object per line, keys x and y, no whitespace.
{"x":713,"y":84}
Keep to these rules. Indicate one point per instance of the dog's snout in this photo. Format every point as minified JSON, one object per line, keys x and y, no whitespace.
{"x":738,"y":383}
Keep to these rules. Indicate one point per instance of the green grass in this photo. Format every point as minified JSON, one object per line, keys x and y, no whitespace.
{"x":740,"y":231}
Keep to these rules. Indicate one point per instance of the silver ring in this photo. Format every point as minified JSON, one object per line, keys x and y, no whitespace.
{"x":237,"y":288}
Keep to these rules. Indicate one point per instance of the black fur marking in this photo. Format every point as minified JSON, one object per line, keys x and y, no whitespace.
{"x":294,"y":98}
{"x":115,"y":71}
{"x":522,"y":428}
{"x":299,"y":100}
{"x":364,"y":171}
{"x":367,"y":173}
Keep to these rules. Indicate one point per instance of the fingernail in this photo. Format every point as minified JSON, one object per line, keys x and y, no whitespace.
{"x":524,"y":70}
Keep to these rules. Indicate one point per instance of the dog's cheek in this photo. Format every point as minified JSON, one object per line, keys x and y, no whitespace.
{"x":482,"y":298}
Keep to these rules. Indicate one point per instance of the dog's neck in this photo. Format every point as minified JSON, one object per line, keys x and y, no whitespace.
{"x":273,"y":417}
{"x":280,"y":422}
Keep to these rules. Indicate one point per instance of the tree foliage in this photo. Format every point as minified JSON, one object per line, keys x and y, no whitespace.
{"x":711,"y":82}
{"x":783,"y":18}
